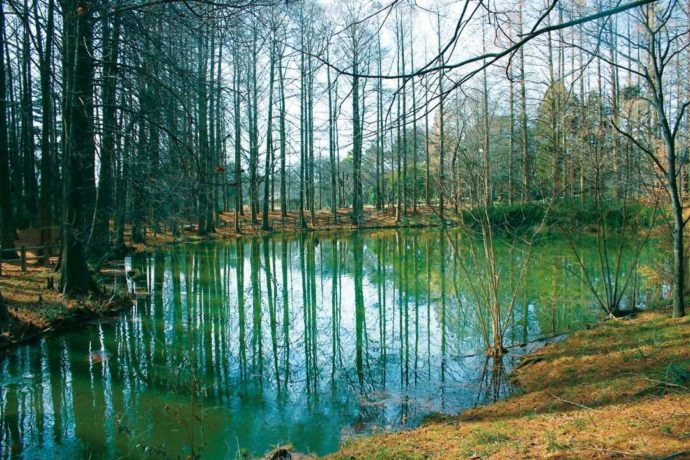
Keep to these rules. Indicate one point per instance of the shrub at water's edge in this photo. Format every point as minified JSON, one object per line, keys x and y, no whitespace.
{"x":566,"y":213}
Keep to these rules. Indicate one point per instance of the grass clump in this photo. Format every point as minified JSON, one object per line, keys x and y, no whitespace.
{"x":484,"y":437}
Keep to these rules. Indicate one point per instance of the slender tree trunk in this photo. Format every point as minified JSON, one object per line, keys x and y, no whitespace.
{"x":211,"y":154}
{"x":13,"y":132}
{"x":27,"y":128}
{"x":253,"y":132}
{"x":582,"y":115}
{"x":100,"y":234}
{"x":221,"y":157}
{"x":283,"y":149}
{"x":398,"y":141}
{"x":427,"y":163}
{"x":526,"y":158}
{"x":357,"y":207}
{"x":121,"y":193}
{"x":7,"y":231}
{"x":138,"y":173}
{"x":441,"y":123}
{"x":45,"y":215}
{"x":303,"y":126}
{"x":269,"y":138}
{"x":676,"y":207}
{"x":238,"y":142}
{"x":554,"y":107}
{"x":414,"y":127}
{"x":615,"y":103}
{"x":511,"y":142}
{"x":331,"y":142}
{"x":379,"y":131}
{"x":485,"y":141}
{"x":404,"y":121}
{"x":678,"y":223}
{"x":204,"y":178}
{"x":311,"y":196}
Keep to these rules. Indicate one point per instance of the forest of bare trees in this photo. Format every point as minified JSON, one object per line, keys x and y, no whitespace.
{"x":344,"y":228}
{"x":121,"y":118}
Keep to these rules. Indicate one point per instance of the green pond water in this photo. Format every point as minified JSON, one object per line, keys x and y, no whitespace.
{"x":242,"y":345}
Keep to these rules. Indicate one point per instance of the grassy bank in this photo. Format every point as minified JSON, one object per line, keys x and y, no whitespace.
{"x":34,"y":309}
{"x":618,"y":390}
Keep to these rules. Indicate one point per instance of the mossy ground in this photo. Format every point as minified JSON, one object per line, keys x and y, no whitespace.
{"x":619,"y":390}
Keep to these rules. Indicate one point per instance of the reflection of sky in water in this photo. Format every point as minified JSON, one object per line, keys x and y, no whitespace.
{"x":290,"y":356}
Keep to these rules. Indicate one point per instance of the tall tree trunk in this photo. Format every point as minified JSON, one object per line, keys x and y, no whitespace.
{"x":676,"y":201}
{"x":404,"y":121}
{"x":100,"y":234}
{"x":441,"y":124}
{"x":238,"y":141}
{"x":212,"y":154}
{"x":615,"y":104}
{"x":485,"y":140}
{"x":253,"y":132}
{"x":380,"y":186}
{"x":526,"y":157}
{"x":13,"y":133}
{"x":283,"y":140}
{"x":30,"y":204}
{"x":554,"y":107}
{"x":269,"y":138}
{"x":426,"y":140}
{"x":311,"y":199}
{"x":7,"y":231}
{"x":357,"y":207}
{"x":303,"y":128}
{"x":678,"y":249}
{"x":48,"y":169}
{"x":511,"y":141}
{"x":121,"y":193}
{"x":138,"y":172}
{"x":78,"y":119}
{"x":331,"y":141}
{"x":414,"y":126}
{"x":398,"y":122}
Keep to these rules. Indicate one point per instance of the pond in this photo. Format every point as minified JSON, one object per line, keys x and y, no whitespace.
{"x":237,"y":346}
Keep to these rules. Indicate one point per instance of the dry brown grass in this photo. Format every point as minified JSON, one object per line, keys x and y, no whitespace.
{"x":617,"y":391}
{"x":34,"y":309}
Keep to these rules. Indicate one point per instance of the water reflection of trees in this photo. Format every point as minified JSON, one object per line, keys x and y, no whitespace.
{"x":493,"y":382}
{"x":276,"y":334}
